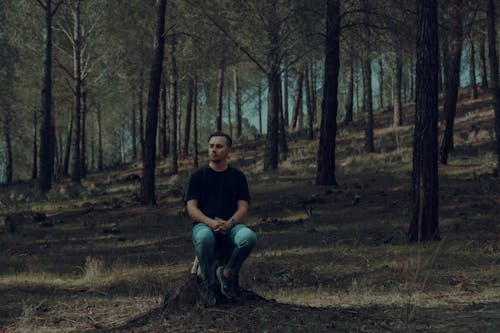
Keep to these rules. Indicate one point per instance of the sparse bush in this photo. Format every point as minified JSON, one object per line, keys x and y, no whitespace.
{"x":94,"y":267}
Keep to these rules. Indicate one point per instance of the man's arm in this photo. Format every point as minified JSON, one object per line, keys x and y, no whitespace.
{"x":239,"y":216}
{"x":196,"y":214}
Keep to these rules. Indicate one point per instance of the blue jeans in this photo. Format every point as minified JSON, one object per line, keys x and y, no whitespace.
{"x":240,"y":237}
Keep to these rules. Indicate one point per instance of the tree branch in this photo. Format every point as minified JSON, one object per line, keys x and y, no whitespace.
{"x":56,"y":7}
{"x":234,"y":41}
{"x":65,"y":70}
{"x":44,"y":6}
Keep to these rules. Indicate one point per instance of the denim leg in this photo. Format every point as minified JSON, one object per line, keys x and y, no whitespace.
{"x":204,"y":243}
{"x":244,"y":240}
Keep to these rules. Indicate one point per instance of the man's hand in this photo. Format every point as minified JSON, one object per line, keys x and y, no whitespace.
{"x":222,"y":226}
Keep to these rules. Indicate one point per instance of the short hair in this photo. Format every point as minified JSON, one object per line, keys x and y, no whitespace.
{"x":219,"y":133}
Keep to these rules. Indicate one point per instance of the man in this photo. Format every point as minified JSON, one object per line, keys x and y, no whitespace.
{"x":217,"y":200}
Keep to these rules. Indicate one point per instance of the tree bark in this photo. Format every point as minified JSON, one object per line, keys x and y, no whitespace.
{"x":229,"y":115}
{"x":149,"y":162}
{"x":424,"y":222}
{"x":187,"y":127}
{"x":472,"y":70}
{"x":273,"y":79}
{"x":380,"y":84}
{"x":285,"y":95}
{"x":67,"y":150}
{"x":100,"y":161}
{"x":325,"y":174}
{"x":310,"y":112}
{"x":76,"y":171}
{"x":396,"y":89}
{"x":34,"y":170}
{"x":349,"y":101}
{"x":314,"y":96}
{"x":283,"y":146}
{"x":163,"y":121}
{"x":297,"y":101}
{"x":237,"y":93}
{"x":495,"y":85}
{"x":368,"y":106}
{"x":195,"y":122}
{"x":220,"y":94}
{"x":141,"y":112}
{"x":174,"y":168}
{"x":452,"y":82}
{"x":259,"y":92}
{"x":83,"y":139}
{"x":8,"y":148}
{"x":46,"y":160}
{"x":482,"y":57}
{"x":133,"y":129}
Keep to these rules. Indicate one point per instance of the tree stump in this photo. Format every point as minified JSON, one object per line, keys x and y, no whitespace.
{"x":188,"y":295}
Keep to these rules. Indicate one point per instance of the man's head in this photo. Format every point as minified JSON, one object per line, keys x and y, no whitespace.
{"x":224,"y":135}
{"x":219,"y":146}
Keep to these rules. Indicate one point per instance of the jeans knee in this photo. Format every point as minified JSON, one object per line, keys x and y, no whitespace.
{"x":204,"y":238}
{"x":248,"y":239}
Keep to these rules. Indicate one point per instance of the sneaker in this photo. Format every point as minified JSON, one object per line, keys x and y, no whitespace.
{"x":226,"y":285}
{"x":207,"y":294}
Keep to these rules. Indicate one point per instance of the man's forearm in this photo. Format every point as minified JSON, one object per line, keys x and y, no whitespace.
{"x":196,"y":214}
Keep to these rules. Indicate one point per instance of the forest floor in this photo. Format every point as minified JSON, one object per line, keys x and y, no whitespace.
{"x":329,"y":259}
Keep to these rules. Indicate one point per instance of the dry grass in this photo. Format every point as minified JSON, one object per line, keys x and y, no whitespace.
{"x":341,"y":250}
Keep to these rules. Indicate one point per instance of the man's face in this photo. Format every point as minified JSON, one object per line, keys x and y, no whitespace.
{"x":218,"y":149}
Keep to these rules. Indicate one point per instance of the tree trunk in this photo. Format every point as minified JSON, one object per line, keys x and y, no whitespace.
{"x":187,"y":127}
{"x":149,"y":162}
{"x":411,"y":82}
{"x":380,"y":84}
{"x":237,"y":92}
{"x":220,"y":93}
{"x":310,"y":112}
{"x":229,"y":115}
{"x":472,"y":70}
{"x":8,"y":148}
{"x":273,"y":80}
{"x":482,"y":57}
{"x":83,"y":139}
{"x":46,"y":160}
{"x":283,"y":146}
{"x":76,"y":171}
{"x":260,"y":105}
{"x":67,"y":150}
{"x":297,"y":101}
{"x":314,"y":97}
{"x":133,"y":129}
{"x":285,"y":95}
{"x":348,"y":107}
{"x":495,"y":85}
{"x":368,"y":105}
{"x":173,"y":102}
{"x":396,"y":89}
{"x":141,"y":112}
{"x":100,"y":161}
{"x":34,"y":170}
{"x":92,"y":141}
{"x":424,"y":223}
{"x":452,"y":83}
{"x":195,"y":122}
{"x":325,"y":174}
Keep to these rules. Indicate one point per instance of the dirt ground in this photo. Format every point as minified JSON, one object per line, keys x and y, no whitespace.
{"x":329,"y":259}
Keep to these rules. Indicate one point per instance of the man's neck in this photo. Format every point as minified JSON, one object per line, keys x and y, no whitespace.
{"x":218,"y":166}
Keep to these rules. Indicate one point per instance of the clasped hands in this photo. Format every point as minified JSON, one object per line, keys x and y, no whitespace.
{"x":221,"y":226}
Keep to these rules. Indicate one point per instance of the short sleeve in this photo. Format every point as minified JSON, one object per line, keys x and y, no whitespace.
{"x":244,"y":193}
{"x":194,"y":188}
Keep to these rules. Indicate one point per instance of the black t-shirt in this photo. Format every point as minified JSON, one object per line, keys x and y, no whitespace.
{"x":218,"y":192}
